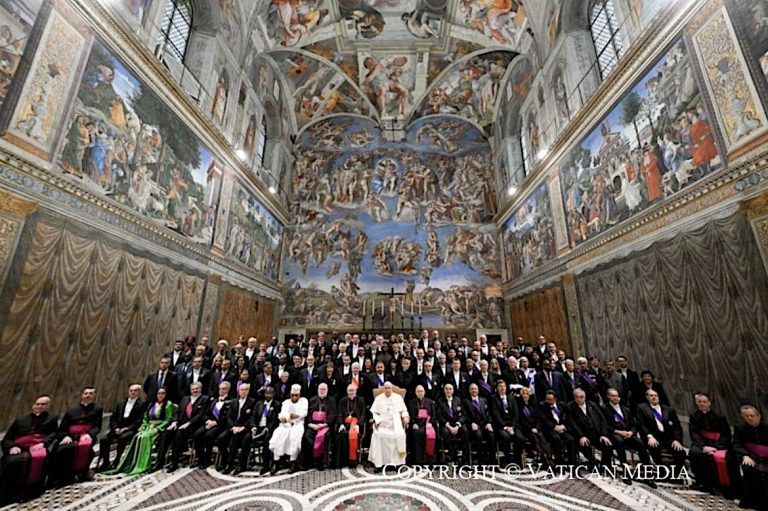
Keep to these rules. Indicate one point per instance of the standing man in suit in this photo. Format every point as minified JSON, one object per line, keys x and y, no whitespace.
{"x":309,"y":378}
{"x":547,"y":379}
{"x":632,"y":380}
{"x":179,"y":358}
{"x":486,"y":382}
{"x":458,"y":379}
{"x":123,"y":424}
{"x":163,"y":377}
{"x":479,"y":424}
{"x":189,"y":418}
{"x":587,"y":423}
{"x":430,"y":381}
{"x":453,"y":422}
{"x":194,"y":373}
{"x":661,"y":429}
{"x":225,"y":374}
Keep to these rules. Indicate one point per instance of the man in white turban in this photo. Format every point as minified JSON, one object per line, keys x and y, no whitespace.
{"x":390,"y":418}
{"x":286,"y":440}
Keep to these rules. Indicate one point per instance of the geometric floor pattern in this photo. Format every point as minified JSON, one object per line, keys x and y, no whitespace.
{"x":361,"y":490}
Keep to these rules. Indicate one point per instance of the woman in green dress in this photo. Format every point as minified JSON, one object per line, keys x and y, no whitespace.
{"x":138,"y":457}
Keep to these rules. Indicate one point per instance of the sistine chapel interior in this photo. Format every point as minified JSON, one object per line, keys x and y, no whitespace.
{"x":417,"y":254}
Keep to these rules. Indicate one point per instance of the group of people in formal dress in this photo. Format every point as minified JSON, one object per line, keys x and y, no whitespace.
{"x":324,"y":401}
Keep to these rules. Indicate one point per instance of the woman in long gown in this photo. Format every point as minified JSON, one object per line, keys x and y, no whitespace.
{"x":138,"y":457}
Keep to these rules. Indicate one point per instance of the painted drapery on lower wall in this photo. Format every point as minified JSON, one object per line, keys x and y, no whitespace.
{"x":694,"y":309}
{"x":375,"y":215}
{"x":88,"y":311}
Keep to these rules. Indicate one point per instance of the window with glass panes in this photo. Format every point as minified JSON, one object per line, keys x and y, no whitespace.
{"x":604,"y":27}
{"x":176,"y":27}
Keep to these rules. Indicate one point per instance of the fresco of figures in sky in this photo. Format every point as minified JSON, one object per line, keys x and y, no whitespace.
{"x":655,"y":142}
{"x":317,"y":88}
{"x":372,"y":215}
{"x":124,"y":142}
{"x":254,"y":235}
{"x":529,"y":236}
{"x":388,"y":81}
{"x":501,"y":22}
{"x":469,"y":89}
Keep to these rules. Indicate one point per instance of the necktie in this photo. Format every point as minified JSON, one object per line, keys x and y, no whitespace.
{"x":160,"y":379}
{"x":549,"y":379}
{"x":476,"y":403}
{"x":506,"y":406}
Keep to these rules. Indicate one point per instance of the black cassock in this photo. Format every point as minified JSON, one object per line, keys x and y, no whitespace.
{"x":753,"y":442}
{"x":69,"y":460}
{"x":321,"y":411}
{"x":348,"y":413}
{"x":17,"y":479}
{"x":721,"y":469}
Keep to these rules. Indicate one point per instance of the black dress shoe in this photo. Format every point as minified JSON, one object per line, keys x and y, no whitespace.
{"x":236,"y":471}
{"x":225,"y":470}
{"x":172,"y":469}
{"x":263,"y":471}
{"x":273,"y":471}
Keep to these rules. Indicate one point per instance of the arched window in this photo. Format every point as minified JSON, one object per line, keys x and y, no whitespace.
{"x":605,"y":34}
{"x":176,"y":27}
{"x":261,"y":142}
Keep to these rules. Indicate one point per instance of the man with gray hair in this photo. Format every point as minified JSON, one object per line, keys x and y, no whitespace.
{"x":213,"y":425}
{"x":588,"y":425}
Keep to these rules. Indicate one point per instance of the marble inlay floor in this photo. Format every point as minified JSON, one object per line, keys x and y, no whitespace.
{"x":360,"y":489}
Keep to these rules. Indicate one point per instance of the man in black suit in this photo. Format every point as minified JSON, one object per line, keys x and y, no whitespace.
{"x":458,"y":378}
{"x":547,"y":379}
{"x":309,"y":378}
{"x":569,"y":381}
{"x":632,"y":380}
{"x":351,"y":417}
{"x":554,"y":417}
{"x":453,"y":422}
{"x":264,"y":421}
{"x":264,"y":380}
{"x":512,"y":375}
{"x":486,"y":382}
{"x":622,"y":431}
{"x":660,"y":427}
{"x":123,"y":424}
{"x":504,"y":420}
{"x":422,"y":428}
{"x":195,"y":373}
{"x":320,"y":420}
{"x":430,"y":381}
{"x":479,"y":426}
{"x":234,"y":429}
{"x":163,"y":377}
{"x":588,"y":425}
{"x":378,"y":378}
{"x":179,"y":358}
{"x":225,"y":374}
{"x":213,"y":425}
{"x":189,"y":418}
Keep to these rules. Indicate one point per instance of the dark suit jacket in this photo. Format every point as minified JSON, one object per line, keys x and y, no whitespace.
{"x":185,"y":380}
{"x":259,"y":386}
{"x":437,"y":385}
{"x":199,"y":409}
{"x":184,"y":359}
{"x":548,"y":421}
{"x":503,"y":418}
{"x":171,"y":383}
{"x":78,"y":414}
{"x":134,"y":419}
{"x":614,"y":424}
{"x":455,"y":415}
{"x":591,"y":425}
{"x":231,"y":377}
{"x":480,"y":416}
{"x":514,"y":378}
{"x":308,"y":386}
{"x":646,"y":424}
{"x":528,"y":422}
{"x":488,"y":391}
{"x":237,"y":415}
{"x":460,"y":388}
{"x":273,"y":412}
{"x":568,"y":386}
{"x":541,"y":385}
{"x":713,"y":422}
{"x":223,"y":412}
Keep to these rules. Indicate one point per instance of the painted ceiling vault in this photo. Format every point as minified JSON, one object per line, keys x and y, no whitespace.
{"x":393,"y":60}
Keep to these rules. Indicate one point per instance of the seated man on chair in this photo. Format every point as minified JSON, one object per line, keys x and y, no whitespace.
{"x":588,"y":425}
{"x":123,"y":424}
{"x":453,"y":422}
{"x":661,"y":429}
{"x":479,"y":424}
{"x":750,"y":442}
{"x":286,"y":440}
{"x":189,"y":418}
{"x":77,"y":432}
{"x":351,"y":414}
{"x":264,"y":422}
{"x":25,"y":451}
{"x":230,"y":440}
{"x":422,"y":433}
{"x":713,"y":461}
{"x":320,"y":421}
{"x":390,"y":418}
{"x":622,"y":430}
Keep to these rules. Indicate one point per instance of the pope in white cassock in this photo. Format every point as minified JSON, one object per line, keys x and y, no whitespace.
{"x":287,"y":438}
{"x":390,"y":418}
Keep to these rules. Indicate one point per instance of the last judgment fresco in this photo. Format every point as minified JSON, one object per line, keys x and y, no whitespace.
{"x":393,"y":234}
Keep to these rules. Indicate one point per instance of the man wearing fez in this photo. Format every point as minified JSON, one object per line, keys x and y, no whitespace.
{"x":351,"y":414}
{"x":26,"y":446}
